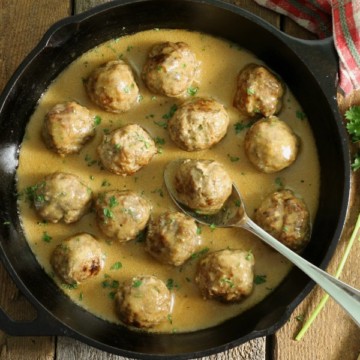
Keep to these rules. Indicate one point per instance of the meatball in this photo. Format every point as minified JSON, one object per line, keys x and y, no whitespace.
{"x":77,"y":258}
{"x":258,"y":91}
{"x":126,"y":150}
{"x":202,"y":185}
{"x":67,"y":127}
{"x":112,"y":87}
{"x":62,"y":197}
{"x":271,"y":145}
{"x":198,"y":124}
{"x":172,"y":238}
{"x":122,"y":214}
{"x":286,"y":218}
{"x":170,"y":69}
{"x":143,"y":301}
{"x":226,"y":275}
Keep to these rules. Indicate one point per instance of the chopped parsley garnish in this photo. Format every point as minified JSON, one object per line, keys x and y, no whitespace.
{"x":233,"y":158}
{"x":212,"y":227}
{"x":170,"y":284}
{"x":110,"y":283}
{"x":169,"y":317}
{"x":240,"y":126}
{"x":259,"y":279}
{"x":46,"y":237}
{"x":192,"y":91}
{"x":300,"y":318}
{"x":198,"y":230}
{"x":108,"y":213}
{"x":228,"y":282}
{"x":69,"y":286}
{"x":89,"y":161}
{"x":200,"y":253}
{"x":97,"y":120}
{"x":279,"y":183}
{"x":162,"y":124}
{"x":116,"y":266}
{"x":250,"y":91}
{"x":170,"y":113}
{"x":113,"y":202}
{"x":136,"y":283}
{"x":300,"y":115}
{"x":249,"y":256}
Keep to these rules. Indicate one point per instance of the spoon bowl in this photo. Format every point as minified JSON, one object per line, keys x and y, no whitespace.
{"x":233,"y":214}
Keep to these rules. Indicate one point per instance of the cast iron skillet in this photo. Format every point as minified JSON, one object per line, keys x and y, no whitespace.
{"x":308,"y":68}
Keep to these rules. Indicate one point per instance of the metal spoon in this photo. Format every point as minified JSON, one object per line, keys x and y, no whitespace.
{"x":233,"y":214}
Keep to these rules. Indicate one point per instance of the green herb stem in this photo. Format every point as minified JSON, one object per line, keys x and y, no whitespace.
{"x":325,"y":298}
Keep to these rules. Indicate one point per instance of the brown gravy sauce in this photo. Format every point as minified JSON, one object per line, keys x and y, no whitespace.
{"x":220,"y":65}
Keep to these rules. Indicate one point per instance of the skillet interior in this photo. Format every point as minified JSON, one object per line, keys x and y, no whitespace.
{"x":69,"y":39}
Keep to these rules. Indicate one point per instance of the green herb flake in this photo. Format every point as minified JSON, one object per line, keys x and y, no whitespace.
{"x":97,"y":120}
{"x":198,"y":230}
{"x":240,"y":126}
{"x":170,"y":284}
{"x":113,"y":202}
{"x":228,"y":282}
{"x":212,"y":227}
{"x":233,"y":158}
{"x":200,"y":253}
{"x":136,"y":283}
{"x":116,"y":266}
{"x":169,"y":317}
{"x":170,"y":113}
{"x":105,"y":183}
{"x":300,"y":318}
{"x":112,"y":295}
{"x":249,"y":256}
{"x":108,"y":213}
{"x":250,"y":91}
{"x":259,"y":279}
{"x":279,"y":183}
{"x":162,"y":124}
{"x":6,"y":223}
{"x":81,"y":296}
{"x":356,"y":163}
{"x":192,"y":90}
{"x":110,"y":283}
{"x":46,"y":237}
{"x":69,"y":286}
{"x":300,"y":115}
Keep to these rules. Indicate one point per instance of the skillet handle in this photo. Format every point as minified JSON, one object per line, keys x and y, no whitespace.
{"x":321,"y":58}
{"x":42,"y":325}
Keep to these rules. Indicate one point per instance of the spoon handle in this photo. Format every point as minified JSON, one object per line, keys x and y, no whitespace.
{"x":345,"y":295}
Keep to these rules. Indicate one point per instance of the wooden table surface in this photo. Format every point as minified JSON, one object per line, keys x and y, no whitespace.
{"x":333,"y":336}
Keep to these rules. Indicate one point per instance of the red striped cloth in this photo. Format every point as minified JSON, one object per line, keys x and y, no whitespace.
{"x":341,"y":18}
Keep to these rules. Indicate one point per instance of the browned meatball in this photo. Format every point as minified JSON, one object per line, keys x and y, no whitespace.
{"x":271,"y":145}
{"x":126,"y":150}
{"x":67,"y":127}
{"x":143,"y":301}
{"x":172,"y":238}
{"x":77,"y":258}
{"x":286,"y":218}
{"x":259,"y":91}
{"x":226,"y":275}
{"x":202,"y":185}
{"x":198,"y":124}
{"x":170,"y":68}
{"x":62,"y":197}
{"x":122,"y":214}
{"x":112,"y":87}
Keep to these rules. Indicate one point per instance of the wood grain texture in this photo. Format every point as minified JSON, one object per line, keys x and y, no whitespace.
{"x":21,"y":26}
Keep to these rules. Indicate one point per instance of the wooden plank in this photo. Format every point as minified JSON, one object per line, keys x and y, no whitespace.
{"x":21,"y":26}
